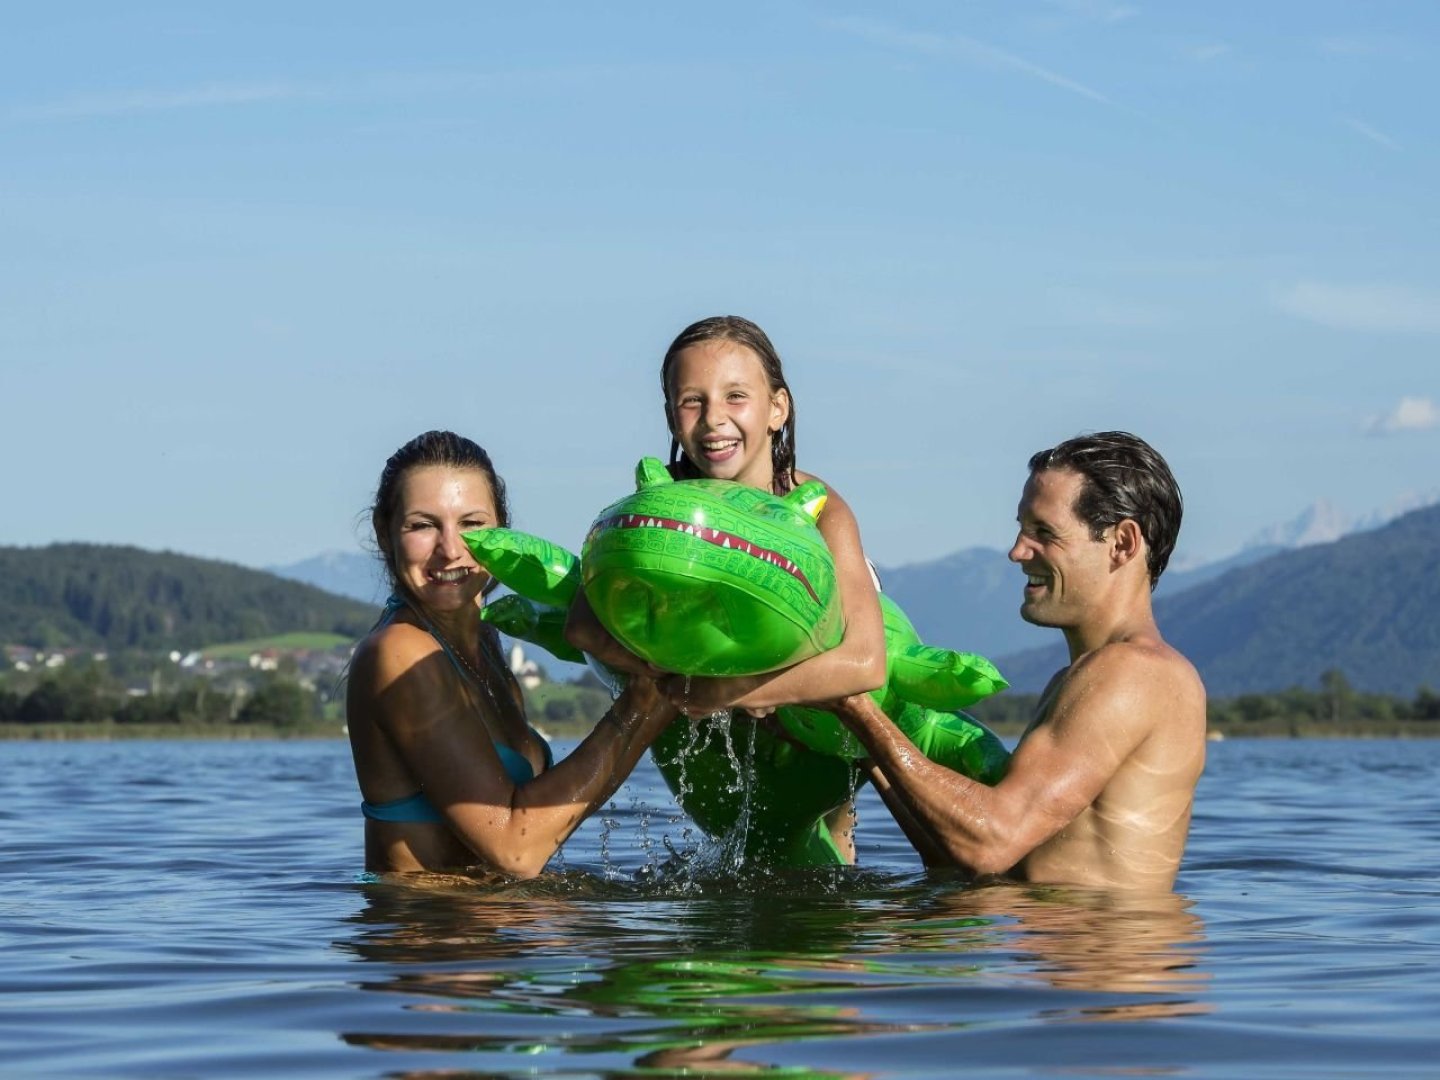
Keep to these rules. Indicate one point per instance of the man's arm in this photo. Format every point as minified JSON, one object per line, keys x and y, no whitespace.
{"x":1060,"y":767}
{"x":924,"y":845}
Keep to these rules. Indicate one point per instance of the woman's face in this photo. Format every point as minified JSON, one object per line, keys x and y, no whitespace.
{"x":434,"y":505}
{"x":724,"y":414}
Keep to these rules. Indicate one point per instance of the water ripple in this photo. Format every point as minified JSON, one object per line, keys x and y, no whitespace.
{"x":184,"y":909}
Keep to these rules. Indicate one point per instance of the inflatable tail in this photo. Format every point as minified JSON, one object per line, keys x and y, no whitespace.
{"x":745,"y":785}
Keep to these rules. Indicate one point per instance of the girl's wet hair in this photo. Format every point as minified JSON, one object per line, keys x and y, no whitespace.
{"x":746,"y":333}
{"x":432,"y":448}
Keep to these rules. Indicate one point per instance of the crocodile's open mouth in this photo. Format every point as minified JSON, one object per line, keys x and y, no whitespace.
{"x":719,"y":537}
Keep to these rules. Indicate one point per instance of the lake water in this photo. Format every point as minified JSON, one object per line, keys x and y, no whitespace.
{"x":195,"y":909}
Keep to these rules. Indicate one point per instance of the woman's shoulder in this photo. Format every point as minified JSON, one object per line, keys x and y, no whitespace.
{"x":395,"y":646}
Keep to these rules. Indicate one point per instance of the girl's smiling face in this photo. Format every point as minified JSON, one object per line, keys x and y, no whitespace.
{"x":434,"y":505}
{"x":723,"y":413}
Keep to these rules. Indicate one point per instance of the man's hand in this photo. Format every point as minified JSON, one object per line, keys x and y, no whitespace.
{"x":700,"y":695}
{"x":852,"y":708}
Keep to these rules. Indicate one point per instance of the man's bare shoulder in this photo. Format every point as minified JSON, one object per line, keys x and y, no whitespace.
{"x":1141,"y":659}
{"x":1135,"y":682}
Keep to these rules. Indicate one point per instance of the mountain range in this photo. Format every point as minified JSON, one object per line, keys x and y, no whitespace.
{"x":1323,"y":590}
{"x":970,"y":600}
{"x":1277,"y":614}
{"x":344,"y":573}
{"x":1367,"y":605}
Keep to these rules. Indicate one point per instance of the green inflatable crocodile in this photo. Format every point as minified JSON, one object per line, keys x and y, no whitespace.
{"x":711,"y":577}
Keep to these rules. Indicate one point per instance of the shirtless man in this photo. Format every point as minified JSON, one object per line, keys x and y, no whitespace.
{"x":1100,"y":788}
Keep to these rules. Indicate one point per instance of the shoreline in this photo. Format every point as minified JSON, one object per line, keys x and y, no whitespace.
{"x":110,"y":732}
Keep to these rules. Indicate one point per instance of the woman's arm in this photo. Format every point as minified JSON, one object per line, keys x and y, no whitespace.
{"x":855,"y":666}
{"x":515,"y":828}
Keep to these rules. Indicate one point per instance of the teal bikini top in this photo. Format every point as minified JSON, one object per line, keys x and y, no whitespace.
{"x":417,"y":807}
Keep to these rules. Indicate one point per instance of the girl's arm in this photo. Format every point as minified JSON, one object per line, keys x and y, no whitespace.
{"x":857,"y":663}
{"x":513,"y":828}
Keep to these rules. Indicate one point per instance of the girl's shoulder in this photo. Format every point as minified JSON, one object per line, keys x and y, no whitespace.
{"x":835,"y":499}
{"x":837,"y":521}
{"x":803,"y":477}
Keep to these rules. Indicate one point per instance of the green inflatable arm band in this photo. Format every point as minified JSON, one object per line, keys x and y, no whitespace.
{"x":943,"y":678}
{"x":539,"y":624}
{"x":530,"y":566}
{"x":957,"y":741}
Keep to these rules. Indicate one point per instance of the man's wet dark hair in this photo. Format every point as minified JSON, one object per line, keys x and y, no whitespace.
{"x":1123,"y":477}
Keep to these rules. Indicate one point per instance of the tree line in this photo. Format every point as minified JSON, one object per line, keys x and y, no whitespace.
{"x":1333,"y":708}
{"x":91,"y":693}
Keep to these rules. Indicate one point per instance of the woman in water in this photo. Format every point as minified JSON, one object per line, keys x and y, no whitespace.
{"x":451,"y":773}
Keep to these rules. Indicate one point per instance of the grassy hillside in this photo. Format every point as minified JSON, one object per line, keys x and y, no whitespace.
{"x":102,"y":596}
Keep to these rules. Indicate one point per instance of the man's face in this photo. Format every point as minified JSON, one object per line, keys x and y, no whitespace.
{"x":1066,"y":570}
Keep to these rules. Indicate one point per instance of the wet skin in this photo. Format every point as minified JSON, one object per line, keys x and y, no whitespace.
{"x":1100,"y":789}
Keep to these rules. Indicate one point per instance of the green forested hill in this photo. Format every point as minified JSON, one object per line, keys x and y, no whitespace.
{"x":124,"y":598}
{"x":1367,"y":605}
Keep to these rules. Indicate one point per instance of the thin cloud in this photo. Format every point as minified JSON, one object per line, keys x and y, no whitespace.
{"x":1358,"y":45}
{"x":1096,"y":10}
{"x":383,"y":86}
{"x":197,"y":97}
{"x":1379,"y":138}
{"x":1377,"y":308}
{"x":963,"y":48}
{"x":1206,"y":53}
{"x":1086,"y":308}
{"x":1411,"y":414}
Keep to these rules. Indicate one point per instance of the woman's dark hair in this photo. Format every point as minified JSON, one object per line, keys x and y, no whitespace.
{"x":746,"y":333}
{"x":432,"y":448}
{"x":1123,"y":477}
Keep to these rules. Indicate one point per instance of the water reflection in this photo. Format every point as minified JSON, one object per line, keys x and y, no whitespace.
{"x":664,"y":976}
{"x":1098,"y":940}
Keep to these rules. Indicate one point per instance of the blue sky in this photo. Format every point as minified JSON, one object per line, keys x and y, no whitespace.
{"x":250,"y":249}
